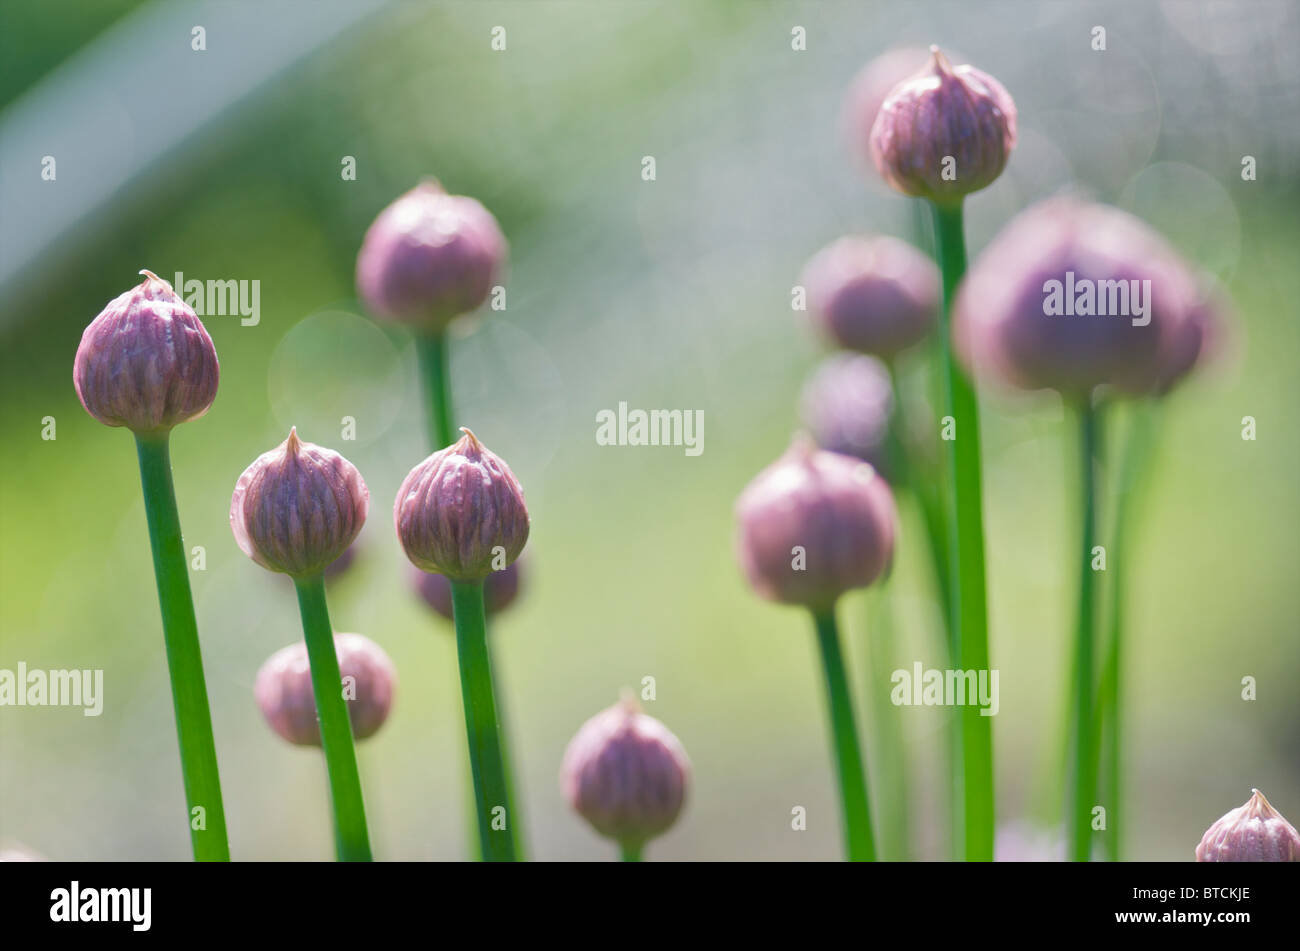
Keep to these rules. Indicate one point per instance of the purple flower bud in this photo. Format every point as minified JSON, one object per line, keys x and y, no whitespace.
{"x":429,"y":257}
{"x":869,"y":90}
{"x":500,"y":588}
{"x":946,"y":132}
{"x":872,"y":294}
{"x":626,"y":774}
{"x":284,"y":691}
{"x":461,"y":512}
{"x":1255,"y":832}
{"x":298,"y":507}
{"x":1198,"y":340}
{"x":847,"y":405}
{"x":146,"y":362}
{"x":1070,"y":296}
{"x":814,"y":525}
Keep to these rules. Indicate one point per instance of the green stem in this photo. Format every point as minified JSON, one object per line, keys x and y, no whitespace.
{"x":859,"y":842}
{"x":1085,"y":747}
{"x":512,"y":800}
{"x":631,"y":851}
{"x":432,"y":351}
{"x":184,"y":661}
{"x":351,"y":839}
{"x":1137,"y":447}
{"x":966,"y":548}
{"x":481,"y":726}
{"x":887,"y":742}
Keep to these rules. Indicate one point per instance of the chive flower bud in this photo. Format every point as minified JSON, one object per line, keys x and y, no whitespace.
{"x":146,"y":362}
{"x":429,"y":257}
{"x":500,"y":588}
{"x":946,"y":132}
{"x":461,"y":512}
{"x":868,"y":92}
{"x":872,"y":294}
{"x":283,"y":689}
{"x":298,"y":507}
{"x":814,"y":525}
{"x":847,"y":406}
{"x":1255,"y":832}
{"x":626,"y":774}
{"x":1071,"y":296}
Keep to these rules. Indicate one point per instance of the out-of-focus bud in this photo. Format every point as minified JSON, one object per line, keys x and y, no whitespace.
{"x":283,"y":689}
{"x":814,"y":525}
{"x":146,"y":362}
{"x":429,"y":257}
{"x":868,"y":92}
{"x":946,"y":132}
{"x":298,"y":507}
{"x":461,"y":512}
{"x":847,"y":405}
{"x":1071,"y":296}
{"x":872,"y":294}
{"x":626,"y":774}
{"x":500,"y":588}
{"x":1255,"y":832}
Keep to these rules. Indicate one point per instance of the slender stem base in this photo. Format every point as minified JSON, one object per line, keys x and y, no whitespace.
{"x":1084,"y":794}
{"x":631,"y":851}
{"x":351,"y":837}
{"x":207,"y":814}
{"x":435,"y":370}
{"x":859,"y":842}
{"x":491,"y":793}
{"x":1137,"y":448}
{"x":966,"y":549}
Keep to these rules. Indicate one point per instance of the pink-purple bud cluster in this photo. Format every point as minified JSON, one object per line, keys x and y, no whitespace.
{"x":284,"y":694}
{"x":847,"y":406}
{"x":146,"y":362}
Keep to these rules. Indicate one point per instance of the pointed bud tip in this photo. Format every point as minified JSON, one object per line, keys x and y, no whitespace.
{"x":470,"y":440}
{"x":151,"y":276}
{"x":293,"y":445}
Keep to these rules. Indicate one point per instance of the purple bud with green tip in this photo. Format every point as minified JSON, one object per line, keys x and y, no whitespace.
{"x":283,"y":689}
{"x":626,"y":774}
{"x":461,"y":512}
{"x":146,"y":362}
{"x":429,"y":257}
{"x":298,"y":507}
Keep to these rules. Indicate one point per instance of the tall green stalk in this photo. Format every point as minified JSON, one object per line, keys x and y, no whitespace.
{"x":859,"y":842}
{"x":1084,"y":794}
{"x":1133,"y":463}
{"x":435,"y":371}
{"x":491,"y":791}
{"x":966,"y":548}
{"x":887,"y":743}
{"x":631,"y":852}
{"x":351,"y":838}
{"x":184,"y":661}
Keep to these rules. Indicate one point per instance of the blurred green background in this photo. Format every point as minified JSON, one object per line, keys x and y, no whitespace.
{"x":675,"y":293}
